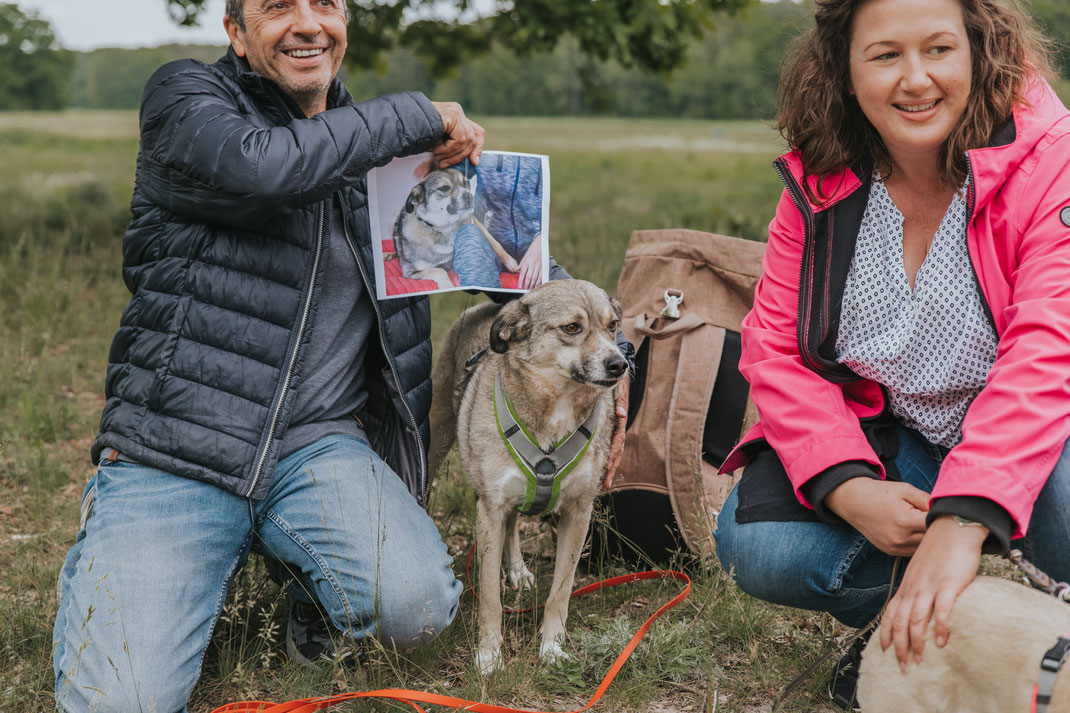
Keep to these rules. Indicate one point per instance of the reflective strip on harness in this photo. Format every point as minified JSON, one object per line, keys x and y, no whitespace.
{"x":544,"y":470}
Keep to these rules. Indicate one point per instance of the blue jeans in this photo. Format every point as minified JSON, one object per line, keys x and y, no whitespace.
{"x":145,"y":582}
{"x":474,"y":259}
{"x":832,"y":568}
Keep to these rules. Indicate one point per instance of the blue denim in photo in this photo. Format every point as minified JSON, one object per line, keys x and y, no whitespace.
{"x":474,"y":258}
{"x":144,"y":584}
{"x":509,"y":202}
{"x":833,"y":568}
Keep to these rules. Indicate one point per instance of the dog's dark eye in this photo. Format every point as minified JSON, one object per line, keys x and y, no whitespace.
{"x":612,"y":326}
{"x":443,"y":189}
{"x":572,"y":328}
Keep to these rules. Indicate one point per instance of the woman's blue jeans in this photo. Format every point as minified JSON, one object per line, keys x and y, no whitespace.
{"x":145,"y":582}
{"x":832,"y":568}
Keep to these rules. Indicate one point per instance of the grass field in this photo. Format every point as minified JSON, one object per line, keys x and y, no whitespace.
{"x":63,"y":209}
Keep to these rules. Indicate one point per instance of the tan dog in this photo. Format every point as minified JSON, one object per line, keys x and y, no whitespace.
{"x":554,"y":354}
{"x":999,"y":633}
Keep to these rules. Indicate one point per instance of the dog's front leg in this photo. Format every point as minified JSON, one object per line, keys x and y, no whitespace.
{"x":440,"y":277}
{"x":571,"y":531}
{"x":519,"y":575}
{"x":490,"y":533}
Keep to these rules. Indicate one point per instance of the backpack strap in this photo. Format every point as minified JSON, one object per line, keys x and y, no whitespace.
{"x":644,"y":324}
{"x":696,"y":373}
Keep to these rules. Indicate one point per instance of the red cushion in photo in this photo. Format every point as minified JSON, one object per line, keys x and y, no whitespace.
{"x":398,"y":285}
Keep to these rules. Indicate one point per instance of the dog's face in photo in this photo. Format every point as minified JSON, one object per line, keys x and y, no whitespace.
{"x":442,"y":199}
{"x":556,"y":327}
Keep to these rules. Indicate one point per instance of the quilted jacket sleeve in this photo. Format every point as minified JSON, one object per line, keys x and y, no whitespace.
{"x":203,"y":156}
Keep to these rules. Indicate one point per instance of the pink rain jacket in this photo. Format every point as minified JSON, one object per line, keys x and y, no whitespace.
{"x":1019,"y":243}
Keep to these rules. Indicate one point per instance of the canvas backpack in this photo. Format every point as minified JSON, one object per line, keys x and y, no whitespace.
{"x":684,"y":295}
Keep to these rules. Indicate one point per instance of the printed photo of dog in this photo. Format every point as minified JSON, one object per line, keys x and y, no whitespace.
{"x":423,"y":233}
{"x":437,"y":230}
{"x":554,"y":356}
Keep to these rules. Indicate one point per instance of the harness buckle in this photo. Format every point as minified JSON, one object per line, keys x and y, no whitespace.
{"x":545,"y":467}
{"x":1054,"y":657}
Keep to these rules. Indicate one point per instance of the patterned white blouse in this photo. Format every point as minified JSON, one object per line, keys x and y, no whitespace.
{"x":931,"y":347}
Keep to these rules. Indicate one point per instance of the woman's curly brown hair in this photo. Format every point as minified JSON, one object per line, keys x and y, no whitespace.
{"x":818,"y":115}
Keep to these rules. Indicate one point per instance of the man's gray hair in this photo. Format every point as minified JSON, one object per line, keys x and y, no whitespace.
{"x":235,"y":11}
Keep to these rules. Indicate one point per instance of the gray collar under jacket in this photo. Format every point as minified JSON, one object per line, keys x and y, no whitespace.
{"x":221,"y":257}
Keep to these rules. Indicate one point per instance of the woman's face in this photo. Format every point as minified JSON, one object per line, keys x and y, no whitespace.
{"x":910,"y":72}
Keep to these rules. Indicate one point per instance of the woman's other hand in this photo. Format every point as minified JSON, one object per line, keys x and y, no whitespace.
{"x":945,"y":563}
{"x":891,"y":515}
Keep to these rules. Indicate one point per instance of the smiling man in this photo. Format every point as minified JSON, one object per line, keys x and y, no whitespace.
{"x":259,"y":398}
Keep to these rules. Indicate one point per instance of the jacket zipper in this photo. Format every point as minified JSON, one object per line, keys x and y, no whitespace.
{"x":386,"y":351}
{"x":971,"y":197}
{"x":293,"y":358}
{"x":805,"y":265}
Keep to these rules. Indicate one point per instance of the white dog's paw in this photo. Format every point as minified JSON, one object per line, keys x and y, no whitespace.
{"x":520,"y":577}
{"x":489,"y":660}
{"x":552,"y":652}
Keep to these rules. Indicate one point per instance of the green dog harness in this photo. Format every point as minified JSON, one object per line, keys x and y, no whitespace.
{"x":544,"y":470}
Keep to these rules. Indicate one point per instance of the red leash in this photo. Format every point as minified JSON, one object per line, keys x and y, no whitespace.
{"x":307,"y":705}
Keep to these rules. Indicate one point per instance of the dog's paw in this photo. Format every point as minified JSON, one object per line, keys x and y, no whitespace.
{"x":552,"y":652}
{"x":488,"y":661}
{"x":521,"y":578}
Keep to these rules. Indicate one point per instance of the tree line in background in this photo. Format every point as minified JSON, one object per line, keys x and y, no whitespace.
{"x":730,"y":72}
{"x":35,"y":72}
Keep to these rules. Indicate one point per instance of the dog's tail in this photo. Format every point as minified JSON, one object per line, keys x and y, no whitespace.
{"x":443,"y":418}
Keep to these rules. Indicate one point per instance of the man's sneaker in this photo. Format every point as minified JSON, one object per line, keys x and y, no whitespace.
{"x":843,"y":687}
{"x":311,"y":640}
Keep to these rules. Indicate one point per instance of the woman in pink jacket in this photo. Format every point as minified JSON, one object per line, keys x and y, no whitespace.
{"x":909,"y":346}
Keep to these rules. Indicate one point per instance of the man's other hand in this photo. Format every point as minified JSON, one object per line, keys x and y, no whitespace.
{"x":463,"y":137}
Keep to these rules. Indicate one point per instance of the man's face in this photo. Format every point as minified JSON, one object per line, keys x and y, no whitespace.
{"x":298,"y":44}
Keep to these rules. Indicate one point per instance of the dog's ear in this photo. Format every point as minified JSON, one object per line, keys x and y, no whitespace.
{"x":512,"y":324}
{"x":618,"y":309}
{"x":416,"y":195}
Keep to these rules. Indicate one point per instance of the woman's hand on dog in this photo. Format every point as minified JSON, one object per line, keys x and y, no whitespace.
{"x":891,"y":515}
{"x":463,"y":137}
{"x":945,"y":563}
{"x":616,"y":447}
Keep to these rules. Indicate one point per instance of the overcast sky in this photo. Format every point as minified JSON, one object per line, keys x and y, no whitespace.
{"x":86,"y":24}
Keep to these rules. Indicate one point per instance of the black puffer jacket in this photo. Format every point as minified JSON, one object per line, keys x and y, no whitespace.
{"x":221,"y":257}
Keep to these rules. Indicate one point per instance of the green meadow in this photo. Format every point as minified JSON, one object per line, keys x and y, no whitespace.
{"x":64,"y":193}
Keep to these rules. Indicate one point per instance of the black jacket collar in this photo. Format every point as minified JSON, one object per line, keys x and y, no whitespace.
{"x":267,"y":93}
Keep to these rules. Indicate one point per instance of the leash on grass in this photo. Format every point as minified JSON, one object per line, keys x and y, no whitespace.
{"x":798,"y":680}
{"x":414,"y":698}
